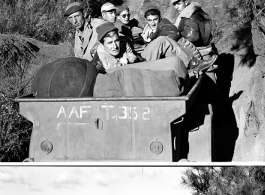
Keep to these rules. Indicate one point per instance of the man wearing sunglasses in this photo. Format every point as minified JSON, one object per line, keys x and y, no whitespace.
{"x":85,"y":35}
{"x":125,"y":24}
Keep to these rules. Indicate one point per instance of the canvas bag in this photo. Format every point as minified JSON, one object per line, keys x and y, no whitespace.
{"x":66,"y":77}
{"x":133,"y":82}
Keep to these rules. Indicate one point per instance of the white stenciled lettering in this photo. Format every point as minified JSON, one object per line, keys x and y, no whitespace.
{"x":148,"y":111}
{"x":134,"y":113}
{"x":124,"y":111}
{"x":61,"y":111}
{"x":73,"y":111}
{"x":107,"y":107}
{"x":83,"y":111}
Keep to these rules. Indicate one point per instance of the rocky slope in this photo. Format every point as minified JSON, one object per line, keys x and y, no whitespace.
{"x":249,"y":109}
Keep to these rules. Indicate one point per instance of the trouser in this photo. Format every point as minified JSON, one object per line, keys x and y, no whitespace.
{"x":165,"y":47}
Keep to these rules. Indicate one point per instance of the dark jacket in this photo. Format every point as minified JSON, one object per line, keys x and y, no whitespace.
{"x":166,"y":28}
{"x":197,"y":29}
{"x":126,"y":30}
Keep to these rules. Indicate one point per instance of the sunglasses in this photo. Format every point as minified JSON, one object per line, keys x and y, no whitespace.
{"x":124,"y":15}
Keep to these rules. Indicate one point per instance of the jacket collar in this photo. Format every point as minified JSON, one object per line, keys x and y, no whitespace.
{"x":187,"y":12}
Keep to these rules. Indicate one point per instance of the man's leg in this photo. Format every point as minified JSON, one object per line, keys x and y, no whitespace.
{"x":165,"y":47}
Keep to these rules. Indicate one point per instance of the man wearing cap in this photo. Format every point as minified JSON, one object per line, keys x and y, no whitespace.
{"x":85,"y":35}
{"x":125,"y":24}
{"x":193,"y":23}
{"x":108,"y":12}
{"x":111,"y":52}
{"x":162,"y":36}
{"x":195,"y":26}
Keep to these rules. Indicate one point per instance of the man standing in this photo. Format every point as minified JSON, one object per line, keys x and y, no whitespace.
{"x":108,"y":12}
{"x":85,"y":35}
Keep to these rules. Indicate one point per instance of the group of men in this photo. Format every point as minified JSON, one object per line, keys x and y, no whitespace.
{"x":110,"y":40}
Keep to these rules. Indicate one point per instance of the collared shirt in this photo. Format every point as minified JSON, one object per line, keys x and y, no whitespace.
{"x":125,"y":56}
{"x":86,"y":41}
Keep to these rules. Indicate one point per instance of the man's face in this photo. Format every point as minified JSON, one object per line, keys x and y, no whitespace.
{"x":179,"y":5}
{"x":77,"y":19}
{"x":153,"y":21}
{"x":124,"y":17}
{"x":112,"y":43}
{"x":109,"y":16}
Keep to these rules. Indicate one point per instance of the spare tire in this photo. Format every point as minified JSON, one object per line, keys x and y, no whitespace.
{"x":66,"y":77}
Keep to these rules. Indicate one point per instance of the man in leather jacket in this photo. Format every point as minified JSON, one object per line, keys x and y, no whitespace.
{"x":193,"y":23}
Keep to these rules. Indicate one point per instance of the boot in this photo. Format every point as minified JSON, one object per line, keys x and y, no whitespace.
{"x":196,"y":65}
{"x":190,"y":47}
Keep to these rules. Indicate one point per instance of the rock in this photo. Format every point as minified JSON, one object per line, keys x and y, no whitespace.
{"x":258,"y":34}
{"x":249,"y":110}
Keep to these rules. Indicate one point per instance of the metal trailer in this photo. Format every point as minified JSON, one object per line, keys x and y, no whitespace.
{"x":114,"y":129}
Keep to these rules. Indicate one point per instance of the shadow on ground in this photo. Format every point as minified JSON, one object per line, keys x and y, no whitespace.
{"x":215,"y":98}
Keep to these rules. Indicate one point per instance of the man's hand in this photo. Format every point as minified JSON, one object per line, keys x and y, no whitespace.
{"x":99,"y":66}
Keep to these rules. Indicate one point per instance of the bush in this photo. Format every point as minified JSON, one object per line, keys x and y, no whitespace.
{"x":40,"y":19}
{"x":15,"y":76}
{"x":15,"y":131}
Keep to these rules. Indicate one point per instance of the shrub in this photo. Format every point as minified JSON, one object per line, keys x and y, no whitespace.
{"x":15,"y":76}
{"x":38,"y":19}
{"x":15,"y":131}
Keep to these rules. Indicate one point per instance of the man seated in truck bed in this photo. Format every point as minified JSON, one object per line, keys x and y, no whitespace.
{"x":161,"y":37}
{"x":113,"y":53}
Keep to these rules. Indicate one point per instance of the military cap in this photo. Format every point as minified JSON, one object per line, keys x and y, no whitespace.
{"x":104,"y":28}
{"x":72,"y":8}
{"x":150,"y":7}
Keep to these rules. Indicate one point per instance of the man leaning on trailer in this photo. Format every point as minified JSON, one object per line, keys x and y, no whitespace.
{"x":85,"y":35}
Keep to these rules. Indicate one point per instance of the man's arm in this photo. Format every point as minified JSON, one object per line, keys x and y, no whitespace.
{"x":166,"y":28}
{"x":146,"y":33}
{"x":93,"y":42}
{"x":191,"y":29}
{"x":130,"y":55}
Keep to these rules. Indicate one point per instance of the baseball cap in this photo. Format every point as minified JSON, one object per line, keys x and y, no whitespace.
{"x":72,"y":8}
{"x":104,"y":28}
{"x":107,"y":7}
{"x":150,"y":7}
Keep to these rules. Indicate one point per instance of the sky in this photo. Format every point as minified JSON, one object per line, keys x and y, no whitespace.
{"x":39,"y":180}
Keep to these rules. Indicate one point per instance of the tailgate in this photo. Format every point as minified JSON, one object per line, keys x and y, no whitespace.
{"x":102,"y":130}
